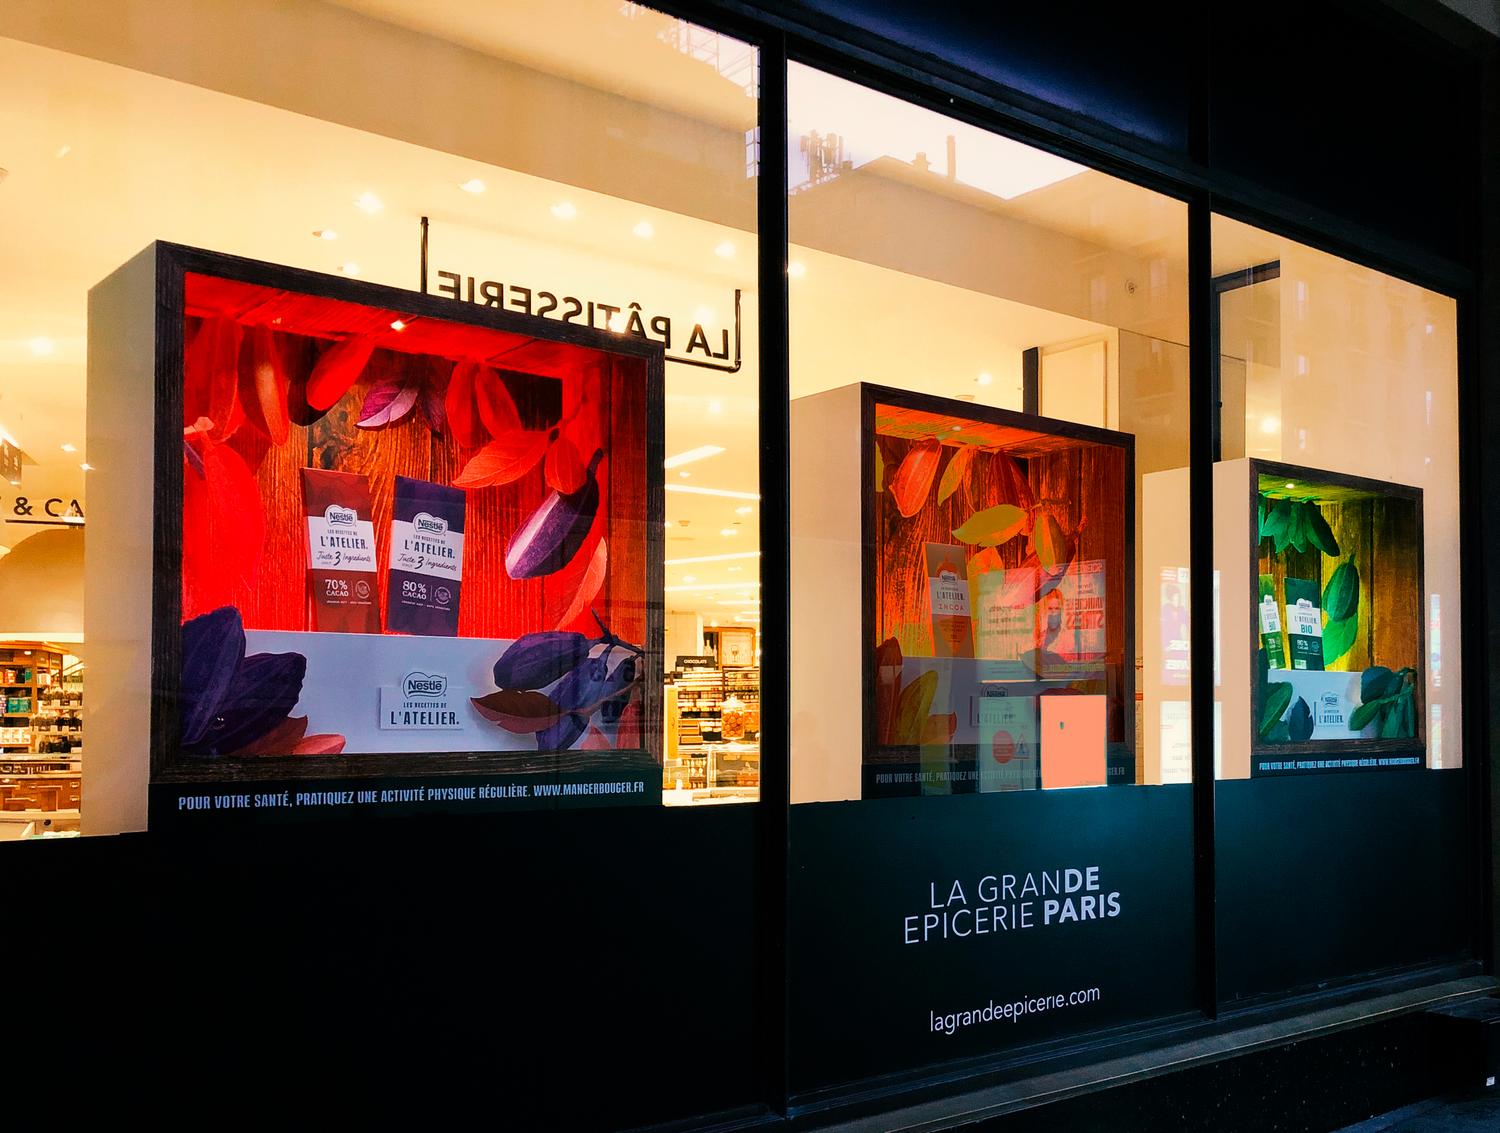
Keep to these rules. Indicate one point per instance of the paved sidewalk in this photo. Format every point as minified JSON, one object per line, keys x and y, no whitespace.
{"x":1477,"y":1112}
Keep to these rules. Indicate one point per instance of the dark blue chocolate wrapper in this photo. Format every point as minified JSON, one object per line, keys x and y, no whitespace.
{"x":426,"y":572}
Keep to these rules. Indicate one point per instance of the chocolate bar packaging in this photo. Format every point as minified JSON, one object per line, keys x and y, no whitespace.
{"x":340,"y":552}
{"x":427,"y":559}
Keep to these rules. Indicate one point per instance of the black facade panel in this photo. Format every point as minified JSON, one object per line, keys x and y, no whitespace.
{"x":1323,"y":877}
{"x":563,"y":970}
{"x":1372,"y":119}
{"x":869,"y":996}
{"x":1128,"y":66}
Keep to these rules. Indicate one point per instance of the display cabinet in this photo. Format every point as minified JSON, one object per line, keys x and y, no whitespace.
{"x":1337,"y":623}
{"x":397,"y":535}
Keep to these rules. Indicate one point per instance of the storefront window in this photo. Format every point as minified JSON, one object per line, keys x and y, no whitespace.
{"x":988,"y":350}
{"x":989,"y":591}
{"x":1336,"y":514}
{"x":577,"y":167}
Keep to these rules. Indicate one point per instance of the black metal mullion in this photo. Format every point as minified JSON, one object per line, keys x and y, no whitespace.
{"x":775,"y":528}
{"x":1203,"y":433}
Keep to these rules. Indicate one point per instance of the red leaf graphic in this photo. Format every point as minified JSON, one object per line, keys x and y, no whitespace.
{"x":496,"y":407}
{"x":594,"y":740}
{"x":518,"y":710}
{"x":504,"y":460}
{"x":263,"y":385}
{"x":210,"y":373}
{"x":223,"y":528}
{"x":913,"y":480}
{"x":583,"y":579}
{"x":628,"y":730}
{"x":564,"y":471}
{"x":280,"y":740}
{"x":387,"y":401}
{"x":458,"y":402}
{"x":337,"y":370}
{"x":328,"y":743}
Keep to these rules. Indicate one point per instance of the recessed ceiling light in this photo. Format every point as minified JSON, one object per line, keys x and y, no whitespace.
{"x":473,"y":185}
{"x":1270,"y":425}
{"x":369,"y":203}
{"x":796,"y":269}
{"x":746,"y":510}
{"x":734,"y":569}
{"x":702,"y":452}
{"x":689,"y":578}
{"x":644,"y":230}
{"x":724,"y":492}
{"x":62,"y":151}
{"x":86,"y":466}
{"x":564,"y":210}
{"x":42,"y":347}
{"x":1289,"y":484}
{"x":70,"y":448}
{"x":985,"y":378}
{"x":715,"y":406}
{"x":668,"y":524}
{"x":398,"y":325}
{"x":684,"y":475}
{"x":728,"y":531}
{"x":350,"y":268}
{"x":704,"y":314}
{"x":725,"y":249}
{"x":325,"y":234}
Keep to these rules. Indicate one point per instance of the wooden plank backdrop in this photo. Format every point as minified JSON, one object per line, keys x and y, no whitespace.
{"x":1084,"y":484}
{"x":493,"y":605}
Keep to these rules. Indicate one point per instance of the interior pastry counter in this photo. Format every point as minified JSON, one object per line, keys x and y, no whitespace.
{"x":712,"y":773}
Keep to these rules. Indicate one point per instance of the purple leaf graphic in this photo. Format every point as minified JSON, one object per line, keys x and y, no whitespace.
{"x":213,"y":646}
{"x":387,"y":401}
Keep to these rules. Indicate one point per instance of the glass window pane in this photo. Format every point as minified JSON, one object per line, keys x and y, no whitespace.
{"x":1024,"y":612}
{"x":1340,"y":452}
{"x":577,"y":165}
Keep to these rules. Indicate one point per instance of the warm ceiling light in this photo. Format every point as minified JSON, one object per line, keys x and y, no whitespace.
{"x":728,"y":531}
{"x":704,"y":314}
{"x":725,"y":249}
{"x":667,"y":524}
{"x":325,"y":234}
{"x":702,"y":452}
{"x":715,"y":406}
{"x":746,"y":510}
{"x":689,"y":578}
{"x":70,"y":448}
{"x":1270,"y":425}
{"x":42,"y":347}
{"x":796,"y":269}
{"x":368,"y":203}
{"x":398,"y":325}
{"x":985,"y":378}
{"x":723,"y":492}
{"x":734,"y":569}
{"x":715,"y":558}
{"x":350,"y":268}
{"x":564,"y":210}
{"x":1289,"y":484}
{"x":86,"y":466}
{"x":62,"y":151}
{"x":473,"y":185}
{"x":644,"y":230}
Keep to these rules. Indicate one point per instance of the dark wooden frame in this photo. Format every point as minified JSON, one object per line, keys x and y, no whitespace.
{"x":173,"y":263}
{"x":870,"y":395}
{"x":1355,"y":745}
